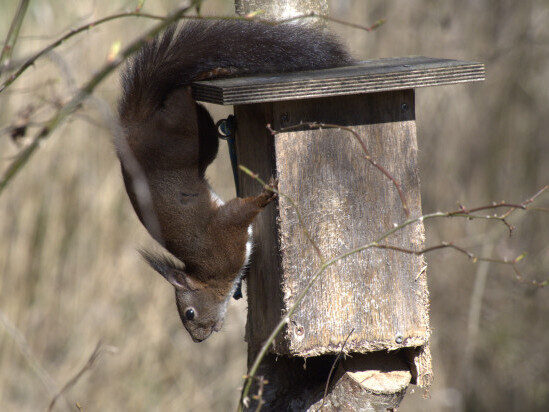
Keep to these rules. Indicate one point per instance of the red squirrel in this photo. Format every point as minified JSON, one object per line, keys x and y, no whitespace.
{"x":172,"y":139}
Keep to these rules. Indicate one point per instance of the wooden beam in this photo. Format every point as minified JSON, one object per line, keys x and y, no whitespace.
{"x":366,"y":77}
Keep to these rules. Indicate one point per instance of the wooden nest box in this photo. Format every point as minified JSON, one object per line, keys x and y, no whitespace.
{"x":376,"y":299}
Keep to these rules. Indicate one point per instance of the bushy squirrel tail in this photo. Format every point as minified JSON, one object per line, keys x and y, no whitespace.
{"x":206,"y":49}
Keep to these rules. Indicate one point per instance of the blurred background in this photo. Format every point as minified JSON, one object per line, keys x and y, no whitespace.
{"x":70,"y":275}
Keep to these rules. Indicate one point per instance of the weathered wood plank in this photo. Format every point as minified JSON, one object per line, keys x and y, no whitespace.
{"x":255,"y":150}
{"x":365,"y":77}
{"x":345,"y":203}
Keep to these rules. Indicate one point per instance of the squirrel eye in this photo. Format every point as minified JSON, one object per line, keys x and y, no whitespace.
{"x":189,"y":314}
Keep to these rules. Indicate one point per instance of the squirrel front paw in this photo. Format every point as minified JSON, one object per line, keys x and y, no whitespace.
{"x":268,"y":195}
{"x":273,"y":184}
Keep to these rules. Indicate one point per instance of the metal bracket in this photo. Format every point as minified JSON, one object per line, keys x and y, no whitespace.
{"x":226,"y":130}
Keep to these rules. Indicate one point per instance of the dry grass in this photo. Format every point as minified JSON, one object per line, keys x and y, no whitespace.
{"x":69,"y":273}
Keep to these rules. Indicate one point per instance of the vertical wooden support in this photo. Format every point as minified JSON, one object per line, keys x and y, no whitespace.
{"x":280,"y":9}
{"x":376,"y":298}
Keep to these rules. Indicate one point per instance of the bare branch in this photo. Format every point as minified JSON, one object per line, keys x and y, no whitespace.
{"x":470,"y":255}
{"x":99,"y":349}
{"x":259,"y":396}
{"x":494,"y":205}
{"x":137,"y":13}
{"x":464,"y":212}
{"x":30,"y":61}
{"x":75,"y":103}
{"x":13,"y":33}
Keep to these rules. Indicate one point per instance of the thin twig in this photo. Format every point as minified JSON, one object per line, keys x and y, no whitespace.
{"x":332,"y":370}
{"x":23,"y":346}
{"x":376,"y":243}
{"x":99,"y":349}
{"x":75,"y":103}
{"x":464,"y":212}
{"x":137,"y":13}
{"x":13,"y":33}
{"x":259,"y":396}
{"x":30,"y":61}
{"x":470,"y":255}
{"x":367,"y":156}
{"x":473,"y":322}
{"x":495,"y":205}
{"x":85,"y":92}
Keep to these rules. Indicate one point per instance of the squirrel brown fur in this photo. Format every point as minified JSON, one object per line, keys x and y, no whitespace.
{"x":172,"y":140}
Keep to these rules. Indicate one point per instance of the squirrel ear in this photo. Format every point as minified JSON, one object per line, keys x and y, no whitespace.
{"x":176,"y":278}
{"x":171,"y":270}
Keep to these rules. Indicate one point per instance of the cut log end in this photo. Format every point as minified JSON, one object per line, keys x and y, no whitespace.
{"x":373,"y":382}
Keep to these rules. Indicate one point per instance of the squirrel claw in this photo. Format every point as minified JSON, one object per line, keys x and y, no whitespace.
{"x":273,"y":183}
{"x":268,"y":195}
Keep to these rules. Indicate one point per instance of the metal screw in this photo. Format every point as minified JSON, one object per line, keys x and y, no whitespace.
{"x":404,"y":107}
{"x":399,"y":338}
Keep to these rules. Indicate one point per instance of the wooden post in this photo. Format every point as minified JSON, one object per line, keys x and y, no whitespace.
{"x":281,"y":9}
{"x":377,"y":299}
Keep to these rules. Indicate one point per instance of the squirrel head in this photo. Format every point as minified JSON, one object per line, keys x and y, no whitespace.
{"x":200,"y":310}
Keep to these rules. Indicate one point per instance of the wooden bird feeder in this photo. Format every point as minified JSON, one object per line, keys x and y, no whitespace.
{"x":378,"y":299}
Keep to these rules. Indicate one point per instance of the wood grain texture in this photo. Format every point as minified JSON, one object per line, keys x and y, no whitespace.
{"x":255,"y":150}
{"x":364,"y":77}
{"x":345,"y":203}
